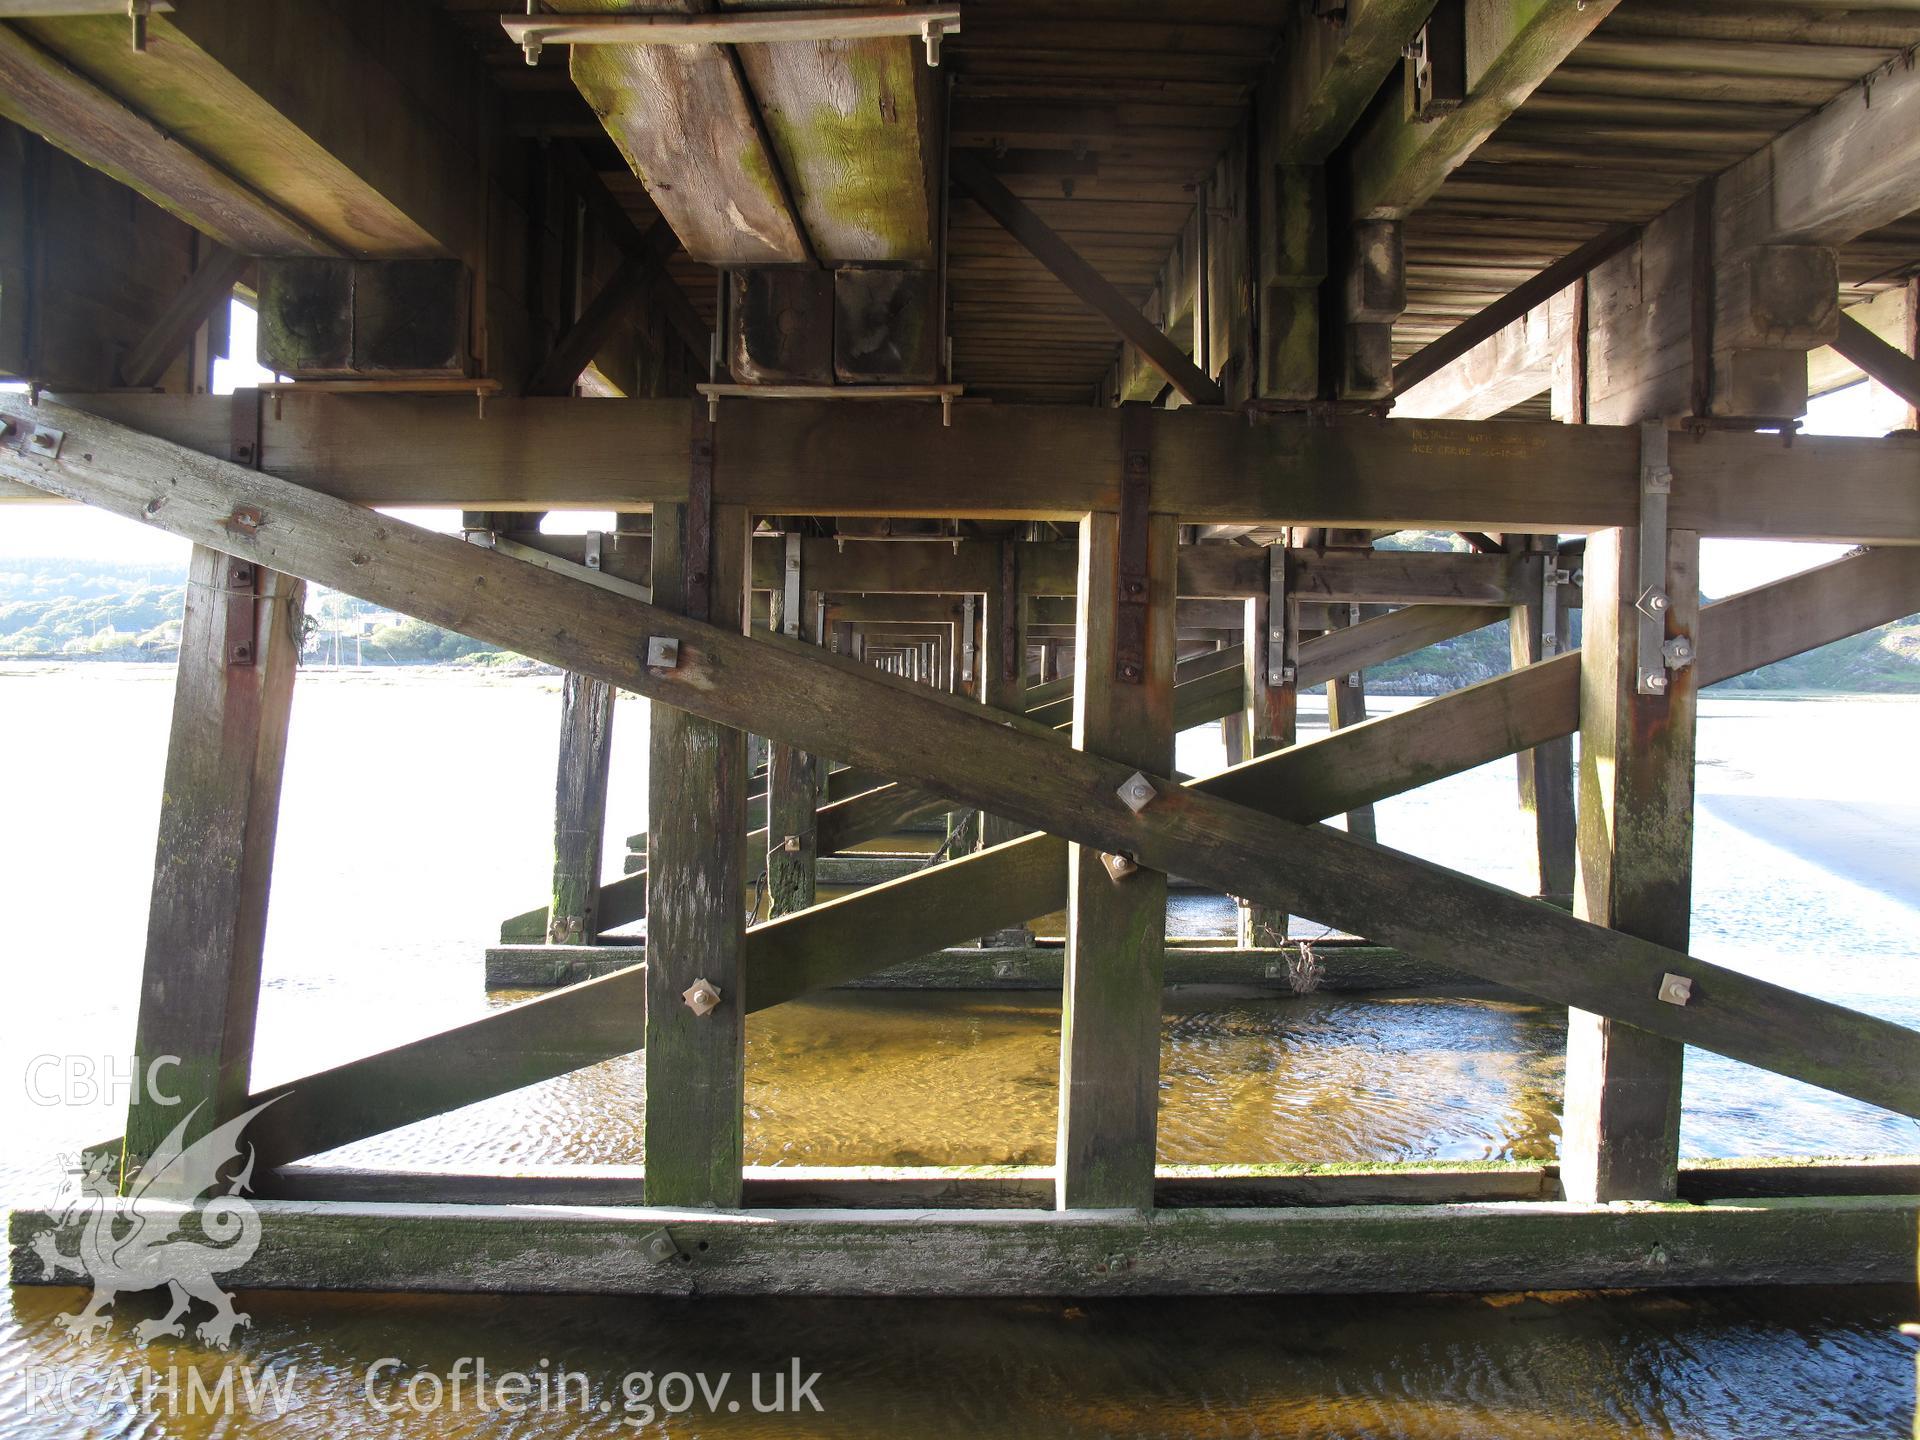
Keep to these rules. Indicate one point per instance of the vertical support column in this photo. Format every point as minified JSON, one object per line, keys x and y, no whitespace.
{"x":580,"y":809}
{"x":220,"y":805}
{"x":1270,"y":720}
{"x":1003,"y":685}
{"x":1116,"y":912}
{"x":1535,"y":632}
{"x":1375,"y":296}
{"x":1293,"y":267}
{"x":1347,"y":705}
{"x":1233,"y":728}
{"x":793,"y":775}
{"x":1620,"y":1132}
{"x":696,"y":921}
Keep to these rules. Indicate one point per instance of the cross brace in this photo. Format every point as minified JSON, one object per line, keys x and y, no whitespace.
{"x":799,"y":695}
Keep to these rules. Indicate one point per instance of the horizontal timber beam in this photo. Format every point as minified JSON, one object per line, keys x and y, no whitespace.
{"x":799,"y":695}
{"x":276,"y":127}
{"x":1045,"y":462}
{"x":1396,"y":162}
{"x":1030,"y":1187}
{"x":1514,"y":1245}
{"x":41,"y":93}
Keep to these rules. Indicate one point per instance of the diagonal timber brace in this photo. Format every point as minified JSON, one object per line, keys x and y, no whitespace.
{"x":799,"y":695}
{"x":849,"y":938}
{"x":846,"y":939}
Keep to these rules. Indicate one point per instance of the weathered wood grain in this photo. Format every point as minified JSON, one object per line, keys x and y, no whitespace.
{"x":696,"y":920}
{"x":1116,"y":925}
{"x":219,"y":811}
{"x":1031,"y":1187}
{"x":683,"y":119}
{"x":1396,"y":163}
{"x":312,"y":107}
{"x":1501,"y":1246}
{"x":1545,"y":773}
{"x":42,"y":94}
{"x":854,"y":125}
{"x":580,"y":809}
{"x":1620,"y":1126}
{"x":1038,"y":462}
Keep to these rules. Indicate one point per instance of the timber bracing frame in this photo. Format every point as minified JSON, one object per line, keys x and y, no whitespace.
{"x":1240,"y":830}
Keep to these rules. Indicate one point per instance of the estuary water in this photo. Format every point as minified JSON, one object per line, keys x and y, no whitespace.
{"x":415,"y":817}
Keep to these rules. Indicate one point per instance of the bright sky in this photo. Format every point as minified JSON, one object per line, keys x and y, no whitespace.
{"x":53,"y":531}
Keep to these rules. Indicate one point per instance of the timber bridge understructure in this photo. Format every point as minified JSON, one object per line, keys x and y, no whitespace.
{"x":984,"y":395}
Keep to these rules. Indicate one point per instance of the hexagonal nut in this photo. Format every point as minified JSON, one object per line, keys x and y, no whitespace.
{"x":1119,"y":867}
{"x":702,"y":997}
{"x":1676,"y":989}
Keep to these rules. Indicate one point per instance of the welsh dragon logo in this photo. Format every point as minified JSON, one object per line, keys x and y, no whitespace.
{"x":136,"y":1242}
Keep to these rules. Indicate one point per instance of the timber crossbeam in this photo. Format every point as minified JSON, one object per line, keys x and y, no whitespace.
{"x":1502,"y":1246}
{"x":1045,"y":463}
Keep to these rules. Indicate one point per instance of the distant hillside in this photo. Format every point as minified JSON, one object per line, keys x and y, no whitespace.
{"x":1885,"y":661}
{"x":91,"y":610}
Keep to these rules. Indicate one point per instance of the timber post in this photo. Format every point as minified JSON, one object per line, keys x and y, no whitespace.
{"x":1117,"y":908}
{"x":794,"y":777}
{"x":1269,"y":717}
{"x":1620,"y":1135}
{"x":580,"y":809}
{"x":1003,"y":686}
{"x":697,"y":781}
{"x":206,"y":929}
{"x":1537,"y":630}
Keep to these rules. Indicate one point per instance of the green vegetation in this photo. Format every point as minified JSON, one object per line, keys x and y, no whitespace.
{"x":90,"y":610}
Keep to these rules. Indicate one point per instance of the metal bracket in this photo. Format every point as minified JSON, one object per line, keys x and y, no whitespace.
{"x":533,"y":32}
{"x":1130,"y":581}
{"x":243,"y":613}
{"x":1656,"y":486}
{"x":1282,"y":637}
{"x":592,"y":552}
{"x":790,"y":593}
{"x":1552,"y":578}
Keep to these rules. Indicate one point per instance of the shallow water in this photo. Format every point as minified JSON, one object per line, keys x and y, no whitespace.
{"x":405,"y":838}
